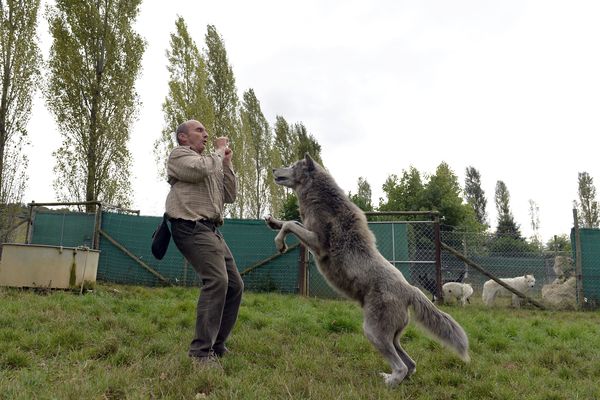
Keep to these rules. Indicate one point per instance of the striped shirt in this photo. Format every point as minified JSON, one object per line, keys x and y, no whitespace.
{"x":200,"y":185}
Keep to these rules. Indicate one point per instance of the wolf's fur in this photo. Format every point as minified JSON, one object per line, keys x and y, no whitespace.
{"x":459,"y":291}
{"x":491,"y":289}
{"x":336,"y":232}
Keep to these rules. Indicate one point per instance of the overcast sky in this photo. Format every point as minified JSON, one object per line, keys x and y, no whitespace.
{"x":509,"y":87}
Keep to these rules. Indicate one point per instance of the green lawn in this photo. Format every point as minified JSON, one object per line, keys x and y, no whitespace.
{"x":131,"y":342}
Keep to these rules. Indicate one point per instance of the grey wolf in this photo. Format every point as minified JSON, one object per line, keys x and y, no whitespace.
{"x":200,"y":185}
{"x":336,"y":232}
{"x":491,"y":289}
{"x":459,"y":291}
{"x":430,"y":285}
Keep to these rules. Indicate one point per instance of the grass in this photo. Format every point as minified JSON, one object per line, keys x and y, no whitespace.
{"x":131,"y":342}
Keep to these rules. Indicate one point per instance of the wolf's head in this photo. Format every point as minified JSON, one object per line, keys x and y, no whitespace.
{"x":295,"y":175}
{"x":530,"y":279}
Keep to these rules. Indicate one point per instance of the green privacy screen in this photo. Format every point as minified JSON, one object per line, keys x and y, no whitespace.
{"x":250,"y":241}
{"x":590,"y":264}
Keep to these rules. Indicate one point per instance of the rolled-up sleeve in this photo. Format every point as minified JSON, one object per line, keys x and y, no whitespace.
{"x":229,"y":185}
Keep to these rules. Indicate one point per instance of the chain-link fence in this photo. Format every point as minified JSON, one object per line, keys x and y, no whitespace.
{"x":501,"y":256}
{"x":412,"y":246}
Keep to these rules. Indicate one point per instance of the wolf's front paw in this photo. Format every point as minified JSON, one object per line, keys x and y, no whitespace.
{"x":280,"y":243}
{"x":273,"y":223}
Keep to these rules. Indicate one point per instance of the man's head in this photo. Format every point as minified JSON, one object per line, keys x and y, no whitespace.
{"x":192,"y":133}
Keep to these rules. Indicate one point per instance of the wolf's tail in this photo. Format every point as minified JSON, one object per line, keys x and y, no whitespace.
{"x":441,"y":325}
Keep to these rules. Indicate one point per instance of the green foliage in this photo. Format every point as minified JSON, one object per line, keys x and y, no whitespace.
{"x":587,"y":206}
{"x":289,"y":210}
{"x":94,"y":61}
{"x":306,"y":143}
{"x":256,"y":128}
{"x":130,"y":342}
{"x":560,"y":243}
{"x":506,"y":223}
{"x":440,"y":193}
{"x":284,"y":154}
{"x":363,"y":196}
{"x":405,"y":194}
{"x":509,"y":246}
{"x":19,"y":79}
{"x":188,"y":97}
{"x":285,"y":144}
{"x":475,"y":196}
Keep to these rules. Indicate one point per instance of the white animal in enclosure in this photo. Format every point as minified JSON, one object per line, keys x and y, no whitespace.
{"x":459,"y":291}
{"x":491,"y":289}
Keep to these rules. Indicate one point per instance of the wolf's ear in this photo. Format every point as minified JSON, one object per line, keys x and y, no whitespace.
{"x":310,"y":164}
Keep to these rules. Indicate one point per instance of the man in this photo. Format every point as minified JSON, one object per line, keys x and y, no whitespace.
{"x":200,"y":185}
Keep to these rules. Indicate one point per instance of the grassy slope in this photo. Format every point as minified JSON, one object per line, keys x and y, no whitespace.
{"x":131,"y":342}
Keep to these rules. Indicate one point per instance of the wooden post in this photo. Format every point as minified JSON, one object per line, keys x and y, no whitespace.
{"x":29,"y":223}
{"x":578,"y":272}
{"x":302,"y":270}
{"x":97,"y":227}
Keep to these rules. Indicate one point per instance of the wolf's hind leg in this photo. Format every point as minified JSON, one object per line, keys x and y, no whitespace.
{"x":383,"y":338}
{"x":410,"y":363}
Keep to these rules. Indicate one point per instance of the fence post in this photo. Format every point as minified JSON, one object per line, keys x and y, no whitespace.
{"x":578,"y":274}
{"x":302,"y":270}
{"x":97,"y":226}
{"x":438,"y":257}
{"x":29,"y":223}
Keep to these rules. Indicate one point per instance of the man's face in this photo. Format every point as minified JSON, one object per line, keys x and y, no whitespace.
{"x":196,"y":136}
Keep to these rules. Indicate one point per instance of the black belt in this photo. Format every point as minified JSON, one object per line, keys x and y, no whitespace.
{"x":209,"y":223}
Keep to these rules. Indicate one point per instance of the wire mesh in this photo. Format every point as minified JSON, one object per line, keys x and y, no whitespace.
{"x":408,"y":245}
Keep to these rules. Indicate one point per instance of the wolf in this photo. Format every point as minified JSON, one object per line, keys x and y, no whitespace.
{"x":491,"y":289}
{"x":430,"y":285}
{"x":336,"y":232}
{"x":459,"y":291}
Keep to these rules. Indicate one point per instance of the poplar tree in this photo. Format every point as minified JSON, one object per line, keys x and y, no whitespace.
{"x":256,"y":128}
{"x":587,"y":204}
{"x":506,"y":223}
{"x":188,"y":96}
{"x":222,"y":93}
{"x":19,"y":79}
{"x":306,"y":143}
{"x":475,"y":196}
{"x":94,"y":62}
{"x":285,"y":143}
{"x":362,"y":198}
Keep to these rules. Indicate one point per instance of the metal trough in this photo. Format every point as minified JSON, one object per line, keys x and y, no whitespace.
{"x":30,"y":265}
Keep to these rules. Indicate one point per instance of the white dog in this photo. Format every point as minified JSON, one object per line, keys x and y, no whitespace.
{"x":491,"y":289}
{"x":459,"y":291}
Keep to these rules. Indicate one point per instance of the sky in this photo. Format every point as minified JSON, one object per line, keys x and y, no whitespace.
{"x":511,"y":88}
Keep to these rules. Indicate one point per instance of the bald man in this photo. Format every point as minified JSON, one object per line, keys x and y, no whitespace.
{"x":200,"y":186}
